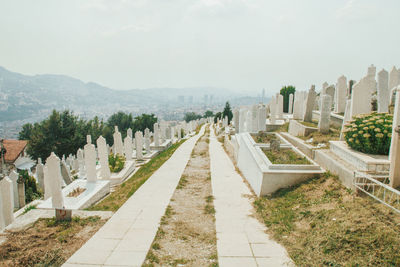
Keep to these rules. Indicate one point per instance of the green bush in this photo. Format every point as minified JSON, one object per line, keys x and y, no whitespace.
{"x":32,"y":191}
{"x":370,"y":133}
{"x":116,"y":162}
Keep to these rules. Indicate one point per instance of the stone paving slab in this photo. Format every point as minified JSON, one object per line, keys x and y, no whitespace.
{"x":126,"y":238}
{"x":241,"y":239}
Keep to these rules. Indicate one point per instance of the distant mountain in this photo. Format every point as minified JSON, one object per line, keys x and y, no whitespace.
{"x":23,"y":97}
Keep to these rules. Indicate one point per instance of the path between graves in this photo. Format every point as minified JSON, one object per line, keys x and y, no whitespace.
{"x":187,"y":232}
{"x":126,"y":238}
{"x":241,"y":238}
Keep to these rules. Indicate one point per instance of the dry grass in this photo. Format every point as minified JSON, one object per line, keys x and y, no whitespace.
{"x":47,"y":242}
{"x":285,"y":156}
{"x":264,"y":138}
{"x":321,"y":223}
{"x":186,"y":236}
{"x":319,"y":138}
{"x":129,"y":187}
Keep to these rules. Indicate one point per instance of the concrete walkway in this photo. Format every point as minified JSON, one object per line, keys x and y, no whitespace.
{"x":241,"y":239}
{"x":126,"y":238}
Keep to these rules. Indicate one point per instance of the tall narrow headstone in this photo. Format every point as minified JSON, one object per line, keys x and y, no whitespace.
{"x":118,"y":146}
{"x":325,"y":117}
{"x":105,"y":172}
{"x":65,"y":173}
{"x":272,"y":108}
{"x":279,"y":106}
{"x":47,"y":183}
{"x":129,"y":133}
{"x":14,"y":178}
{"x":394,"y":78}
{"x":383,"y":91}
{"x":7,"y":202}
{"x":254,"y":118}
{"x":340,"y":94}
{"x":90,"y":160}
{"x":242,"y":120}
{"x":310,"y":104}
{"x":297,"y":111}
{"x":330,"y":90}
{"x":346,"y":118}
{"x":394,"y":153}
{"x":139,"y":145}
{"x":128,"y":148}
{"x":156,"y":135}
{"x":290,"y":109}
{"x":236,"y":120}
{"x":371,"y":76}
{"x":262,"y":117}
{"x":54,"y":179}
{"x":147,"y":139}
{"x":81,"y":162}
{"x":39,"y":174}
{"x":361,"y":97}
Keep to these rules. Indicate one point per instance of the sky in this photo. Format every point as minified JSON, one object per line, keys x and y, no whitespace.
{"x":242,"y":45}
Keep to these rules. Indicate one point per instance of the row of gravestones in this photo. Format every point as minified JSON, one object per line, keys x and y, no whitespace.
{"x":55,"y":172}
{"x":250,"y":119}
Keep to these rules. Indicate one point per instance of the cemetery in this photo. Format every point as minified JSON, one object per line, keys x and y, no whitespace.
{"x":262,"y":178}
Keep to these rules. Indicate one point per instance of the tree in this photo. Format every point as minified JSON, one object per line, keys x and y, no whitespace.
{"x":285,"y":92}
{"x":217,"y":116}
{"x":62,"y":133}
{"x":121,"y":119}
{"x":208,"y":114}
{"x":144,"y":121}
{"x":26,"y":132}
{"x":191,"y":116}
{"x":227,"y":112}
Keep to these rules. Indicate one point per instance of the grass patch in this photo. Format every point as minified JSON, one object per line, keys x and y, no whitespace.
{"x":282,"y":128}
{"x":115,"y":200}
{"x":313,"y":124}
{"x":182,"y":182}
{"x":47,"y":242}
{"x":285,"y":156}
{"x":321,"y":223}
{"x":27,"y":209}
{"x":319,"y":138}
{"x":264,"y":138}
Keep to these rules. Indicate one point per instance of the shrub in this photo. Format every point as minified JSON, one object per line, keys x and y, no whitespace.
{"x":32,"y":191}
{"x":370,"y":133}
{"x":116,"y":162}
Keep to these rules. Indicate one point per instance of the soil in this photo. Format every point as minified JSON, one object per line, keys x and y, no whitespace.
{"x":264,"y":138}
{"x":187,"y":233}
{"x":285,"y":156}
{"x":76,"y":192}
{"x":47,"y":242}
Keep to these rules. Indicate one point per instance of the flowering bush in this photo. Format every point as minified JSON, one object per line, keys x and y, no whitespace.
{"x":370,"y":133}
{"x":116,"y":162}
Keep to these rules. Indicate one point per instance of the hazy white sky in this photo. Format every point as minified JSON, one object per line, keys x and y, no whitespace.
{"x":238,"y":44}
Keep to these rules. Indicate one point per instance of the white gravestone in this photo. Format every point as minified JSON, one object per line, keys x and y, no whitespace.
{"x":371,"y":76}
{"x":156,"y":135}
{"x":179,"y":134}
{"x":262,"y":117}
{"x":330,"y":90}
{"x":39,"y":174}
{"x":279,"y":106}
{"x":128,"y":148}
{"x":310,"y":104}
{"x":394,"y":153}
{"x":383,"y":91}
{"x":290,"y":109}
{"x":272,"y":108}
{"x":139,"y":145}
{"x":236,"y":120}
{"x":65,"y":173}
{"x":129,"y":133}
{"x":105,"y":172}
{"x":242,"y":120}
{"x":47,"y":186}
{"x":7,"y":202}
{"x":394,"y":78}
{"x":54,"y":181}
{"x":14,"y":178}
{"x":325,"y":117}
{"x":340,"y":94}
{"x":254,"y":118}
{"x":361,"y":97}
{"x":90,"y":160}
{"x":118,"y":146}
{"x":81,"y":163}
{"x":297,"y":111}
{"x":346,"y":118}
{"x":147,"y":139}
